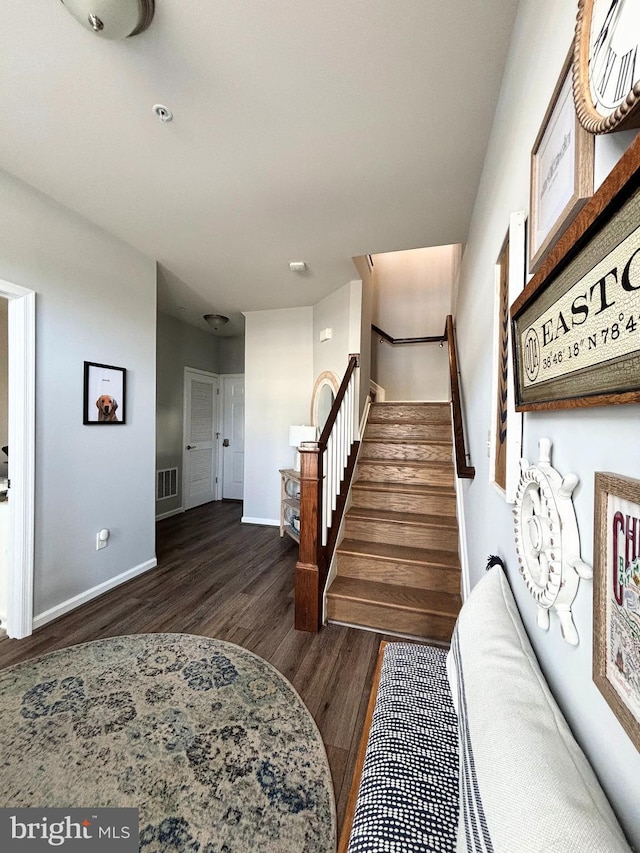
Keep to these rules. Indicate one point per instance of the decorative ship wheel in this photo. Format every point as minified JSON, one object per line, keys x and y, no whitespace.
{"x":548,"y":541}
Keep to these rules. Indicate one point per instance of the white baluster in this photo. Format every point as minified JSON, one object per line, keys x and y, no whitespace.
{"x":325,"y":495}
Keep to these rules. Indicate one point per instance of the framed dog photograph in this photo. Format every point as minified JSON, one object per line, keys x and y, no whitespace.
{"x":104,"y":394}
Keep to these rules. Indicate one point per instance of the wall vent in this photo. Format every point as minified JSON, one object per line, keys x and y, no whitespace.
{"x":166,"y":483}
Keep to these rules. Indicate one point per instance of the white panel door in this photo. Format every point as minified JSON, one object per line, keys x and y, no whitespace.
{"x":233,"y":437}
{"x":200,"y":450}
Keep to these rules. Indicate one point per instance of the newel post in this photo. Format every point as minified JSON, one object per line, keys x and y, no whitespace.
{"x":310,"y":568}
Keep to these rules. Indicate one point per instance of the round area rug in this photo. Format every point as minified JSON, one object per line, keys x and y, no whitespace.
{"x":209,"y":742}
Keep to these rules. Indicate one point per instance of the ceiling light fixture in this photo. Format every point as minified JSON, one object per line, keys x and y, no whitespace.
{"x":297,"y":266}
{"x":112,"y":19}
{"x":216,"y":321}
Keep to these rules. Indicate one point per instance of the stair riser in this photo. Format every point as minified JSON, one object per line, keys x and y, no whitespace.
{"x":390,"y":619}
{"x":436,"y":413}
{"x":409,"y":432}
{"x":398,"y":502}
{"x":406,"y":452}
{"x":426,"y":475}
{"x":391,"y":533}
{"x":420,"y":576}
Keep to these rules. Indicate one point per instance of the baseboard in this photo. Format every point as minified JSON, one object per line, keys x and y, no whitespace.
{"x":462,"y":539}
{"x":270,"y":522}
{"x":94,"y":592}
{"x":171,"y":512}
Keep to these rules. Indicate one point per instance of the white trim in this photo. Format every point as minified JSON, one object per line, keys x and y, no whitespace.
{"x":89,"y":594}
{"x":271,"y":522}
{"x":442,"y":643}
{"x":163,"y":515}
{"x":364,"y":418}
{"x":380,"y":393}
{"x":22,"y":371}
{"x":462,"y":539}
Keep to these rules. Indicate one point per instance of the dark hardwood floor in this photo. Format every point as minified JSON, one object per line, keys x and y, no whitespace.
{"x":219,"y":578}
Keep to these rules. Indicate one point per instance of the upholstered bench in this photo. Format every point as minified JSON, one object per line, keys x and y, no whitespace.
{"x":489,"y":766}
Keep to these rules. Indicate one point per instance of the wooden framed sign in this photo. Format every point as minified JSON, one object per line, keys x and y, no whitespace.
{"x":561,"y":170}
{"x":506,"y":426}
{"x":576,"y":325}
{"x":616,"y":597}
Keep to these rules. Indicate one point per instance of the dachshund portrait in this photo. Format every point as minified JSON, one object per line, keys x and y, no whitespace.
{"x":107,"y":407}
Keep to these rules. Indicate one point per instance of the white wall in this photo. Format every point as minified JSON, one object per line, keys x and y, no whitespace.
{"x":412,"y":297}
{"x":340,"y":312}
{"x":231,"y":354}
{"x":179,"y":345}
{"x":366,"y":316}
{"x":278,"y":385}
{"x":585,"y":441}
{"x":4,"y":380}
{"x":4,"y":430}
{"x":96,"y":301}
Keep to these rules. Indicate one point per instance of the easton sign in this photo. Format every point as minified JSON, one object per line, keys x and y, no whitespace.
{"x":597,"y":320}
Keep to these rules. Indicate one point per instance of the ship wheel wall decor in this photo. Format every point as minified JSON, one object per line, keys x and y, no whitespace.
{"x":548,"y":541}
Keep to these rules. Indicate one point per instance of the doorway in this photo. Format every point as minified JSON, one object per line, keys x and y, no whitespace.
{"x":200,"y":433}
{"x":233,"y":437}
{"x":18,"y":580}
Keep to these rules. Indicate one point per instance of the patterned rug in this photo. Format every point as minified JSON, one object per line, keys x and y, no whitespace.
{"x":210,"y":742}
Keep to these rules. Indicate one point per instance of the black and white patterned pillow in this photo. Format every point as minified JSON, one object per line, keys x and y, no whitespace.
{"x":408,"y":798}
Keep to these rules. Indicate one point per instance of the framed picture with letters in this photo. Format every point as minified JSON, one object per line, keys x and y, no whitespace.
{"x":576,"y":325}
{"x":616,"y":597}
{"x":561,"y":170}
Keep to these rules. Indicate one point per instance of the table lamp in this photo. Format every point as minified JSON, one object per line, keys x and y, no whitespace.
{"x":298,"y":434}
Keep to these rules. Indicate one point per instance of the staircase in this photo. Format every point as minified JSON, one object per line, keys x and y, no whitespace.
{"x":398,"y":569}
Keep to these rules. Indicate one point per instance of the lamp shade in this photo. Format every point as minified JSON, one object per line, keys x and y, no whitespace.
{"x":298,"y":434}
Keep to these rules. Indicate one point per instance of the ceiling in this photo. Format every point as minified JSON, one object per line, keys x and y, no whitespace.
{"x":302,"y":130}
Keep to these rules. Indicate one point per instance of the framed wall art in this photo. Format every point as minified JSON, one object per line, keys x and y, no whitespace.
{"x":104,"y":394}
{"x":506,"y":423}
{"x":561,"y":170}
{"x":576,"y":325}
{"x":616,"y":598}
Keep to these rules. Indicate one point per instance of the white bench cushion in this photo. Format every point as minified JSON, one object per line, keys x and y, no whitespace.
{"x":525,"y":784}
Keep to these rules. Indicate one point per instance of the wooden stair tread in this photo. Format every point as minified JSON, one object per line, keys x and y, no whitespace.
{"x":444,"y":442}
{"x":400,"y":597}
{"x":404,"y":488}
{"x":408,"y":463}
{"x":408,"y":412}
{"x":400,"y":553}
{"x":418,"y":519}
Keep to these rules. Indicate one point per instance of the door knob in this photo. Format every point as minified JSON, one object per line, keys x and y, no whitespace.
{"x":191,"y":447}
{"x":225,"y":442}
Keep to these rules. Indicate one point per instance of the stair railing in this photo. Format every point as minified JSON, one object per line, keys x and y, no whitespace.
{"x":326,"y":468}
{"x":463,"y":469}
{"x":428,"y":339}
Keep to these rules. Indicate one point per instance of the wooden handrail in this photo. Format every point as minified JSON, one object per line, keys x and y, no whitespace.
{"x":432,"y":339}
{"x":323,"y":497}
{"x":354,"y":361}
{"x":463,"y":470}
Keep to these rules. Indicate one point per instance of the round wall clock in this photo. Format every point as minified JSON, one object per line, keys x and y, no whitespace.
{"x":606,"y":65}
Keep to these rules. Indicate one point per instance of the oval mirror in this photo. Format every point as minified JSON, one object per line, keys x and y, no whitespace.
{"x":324,"y":394}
